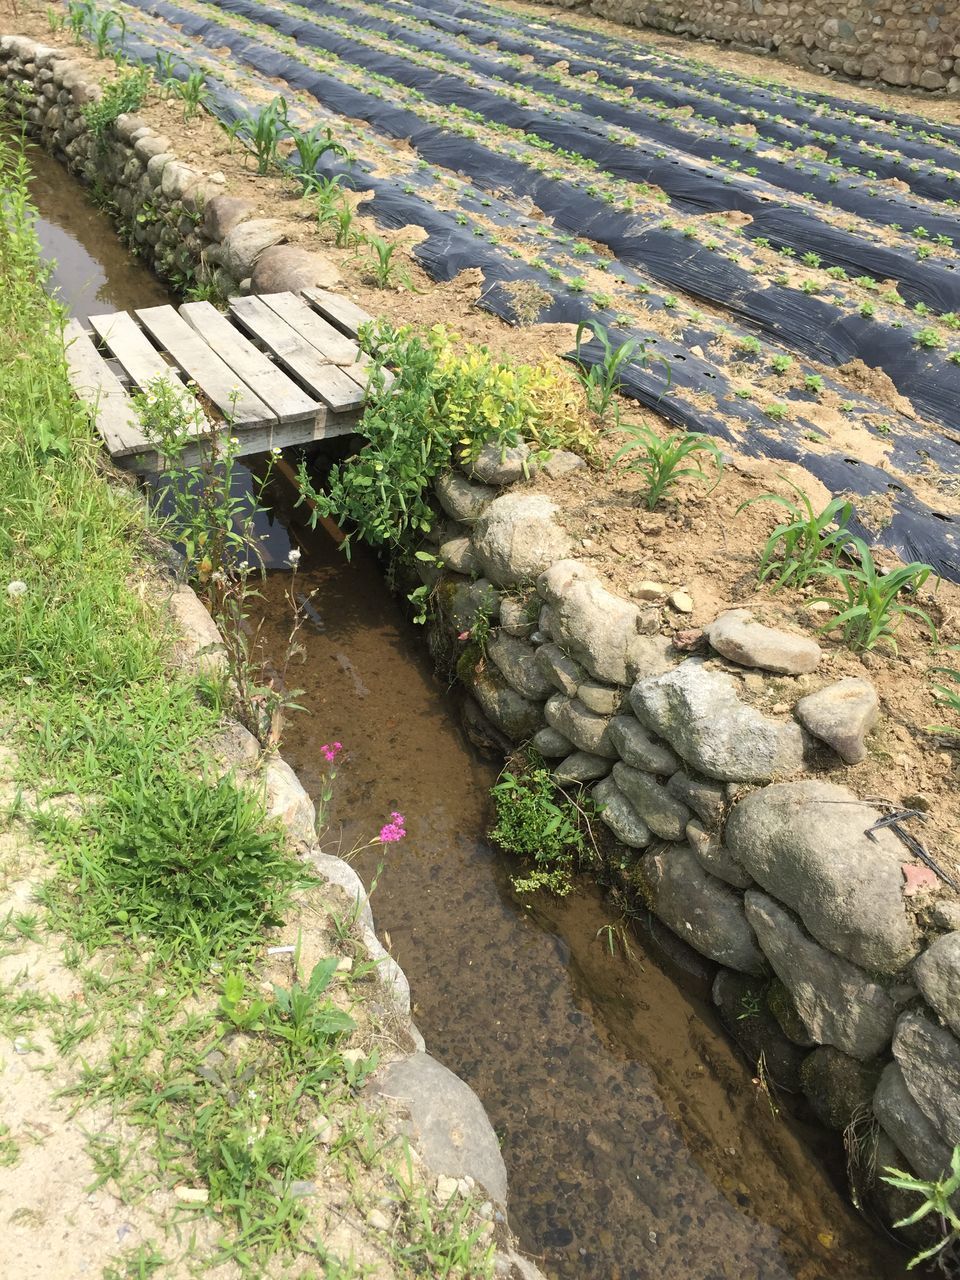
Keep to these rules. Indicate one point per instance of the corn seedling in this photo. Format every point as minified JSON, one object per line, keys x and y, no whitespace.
{"x":263,"y":132}
{"x":102,"y":28}
{"x":347,"y":234}
{"x":386,"y":273}
{"x":192,"y":91}
{"x":661,"y":461}
{"x":602,"y":381}
{"x":870,"y":610}
{"x":80,"y":15}
{"x":799,"y":547}
{"x":311,"y":146}
{"x":948,"y":695}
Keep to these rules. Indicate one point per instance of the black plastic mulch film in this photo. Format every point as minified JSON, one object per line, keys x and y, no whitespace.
{"x":806,"y":324}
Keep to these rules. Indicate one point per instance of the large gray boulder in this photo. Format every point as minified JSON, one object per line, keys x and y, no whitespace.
{"x":905,"y":1123}
{"x":661,"y":811}
{"x":517,"y":537}
{"x":551,"y":744}
{"x":739,"y":638}
{"x":620,"y":816}
{"x":715,"y":857}
{"x":517,"y":662}
{"x":563,"y":673}
{"x":223,"y":213}
{"x":597,"y":628}
{"x":239,"y":250}
{"x":708,"y":800}
{"x":703,"y":911}
{"x":445,"y":1121}
{"x":838,"y":1003}
{"x":288,"y":268}
{"x":582,"y":767}
{"x":584,"y":728}
{"x":838,"y":1087}
{"x":510,"y":712}
{"x":461,"y":499}
{"x":639,"y":749}
{"x":937,"y":973}
{"x":696,"y":709}
{"x":929,"y":1057}
{"x":501,"y":465}
{"x":804,"y":843}
{"x":841,"y":715}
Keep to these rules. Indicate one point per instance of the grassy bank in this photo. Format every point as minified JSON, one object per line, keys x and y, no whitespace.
{"x":158,"y":1061}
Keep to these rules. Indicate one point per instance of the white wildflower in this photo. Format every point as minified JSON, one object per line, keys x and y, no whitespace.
{"x":293,"y":559}
{"x":16,"y":589}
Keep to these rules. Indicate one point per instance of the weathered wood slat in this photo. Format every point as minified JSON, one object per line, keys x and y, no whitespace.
{"x":224,"y":386}
{"x":140,"y":359}
{"x":342,"y":313}
{"x":332,"y":385}
{"x":287,"y":401}
{"x":339,"y":350}
{"x":97,"y":386}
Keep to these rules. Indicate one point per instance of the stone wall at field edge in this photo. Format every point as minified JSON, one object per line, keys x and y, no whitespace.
{"x":719,"y":759}
{"x":179,"y":220}
{"x":894,"y":42}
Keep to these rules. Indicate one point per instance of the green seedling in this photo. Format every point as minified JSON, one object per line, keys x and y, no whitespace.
{"x":602,"y":381}
{"x":813,"y":382}
{"x":871,"y":610}
{"x":661,"y":461}
{"x":80,"y":16}
{"x":781,"y":364}
{"x":938,"y":1196}
{"x":928,"y":338}
{"x":947,"y":694}
{"x":799,"y":547}
{"x":192,"y":92}
{"x":386,"y":273}
{"x":103,"y":25}
{"x":311,"y":146}
{"x":263,"y":133}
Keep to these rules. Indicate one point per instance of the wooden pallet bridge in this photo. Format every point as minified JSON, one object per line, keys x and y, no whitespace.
{"x":279,"y":369}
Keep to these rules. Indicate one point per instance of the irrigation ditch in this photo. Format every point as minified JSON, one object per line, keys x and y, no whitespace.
{"x":683,"y":1161}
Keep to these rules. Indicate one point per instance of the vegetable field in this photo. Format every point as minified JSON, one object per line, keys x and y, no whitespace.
{"x":790,"y":260}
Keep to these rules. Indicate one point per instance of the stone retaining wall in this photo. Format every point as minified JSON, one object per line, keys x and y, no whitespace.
{"x":718,"y":758}
{"x":897,"y":42}
{"x":179,"y":220}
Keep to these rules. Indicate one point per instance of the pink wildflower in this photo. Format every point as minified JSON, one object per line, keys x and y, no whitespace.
{"x":394,"y":830}
{"x":464,"y":635}
{"x":330,"y":751}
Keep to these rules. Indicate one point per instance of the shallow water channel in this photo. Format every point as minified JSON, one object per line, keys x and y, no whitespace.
{"x":636,"y":1142}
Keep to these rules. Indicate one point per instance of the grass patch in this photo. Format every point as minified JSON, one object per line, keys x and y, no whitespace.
{"x":162,"y":883}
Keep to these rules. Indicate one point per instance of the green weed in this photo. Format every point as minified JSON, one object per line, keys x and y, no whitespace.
{"x":938,"y":1196}
{"x":535,"y":820}
{"x":126,"y":93}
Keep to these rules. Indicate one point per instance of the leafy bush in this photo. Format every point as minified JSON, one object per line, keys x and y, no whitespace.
{"x":534,"y":823}
{"x":126,"y":93}
{"x":442,"y":399}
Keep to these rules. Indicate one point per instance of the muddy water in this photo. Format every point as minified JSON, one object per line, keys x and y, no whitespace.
{"x":637,"y":1144}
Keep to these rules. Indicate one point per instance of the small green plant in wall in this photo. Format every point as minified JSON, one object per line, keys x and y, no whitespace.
{"x":539,"y":822}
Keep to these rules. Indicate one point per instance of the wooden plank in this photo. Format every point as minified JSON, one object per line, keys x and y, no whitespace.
{"x":287,"y":401}
{"x":139,"y":358}
{"x":329,"y":342}
{"x":222,"y":385}
{"x":342,"y":313}
{"x":323,"y":379}
{"x":97,"y":386}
